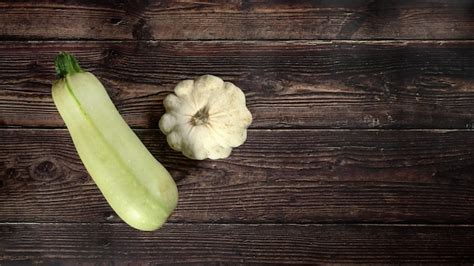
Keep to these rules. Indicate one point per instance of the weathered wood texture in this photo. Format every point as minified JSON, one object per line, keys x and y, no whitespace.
{"x":370,"y":128}
{"x":240,"y":19}
{"x":185,"y":243}
{"x":288,"y":84}
{"x":277,"y":176}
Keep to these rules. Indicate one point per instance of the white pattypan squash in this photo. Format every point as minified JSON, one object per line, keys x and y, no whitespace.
{"x":205,"y":118}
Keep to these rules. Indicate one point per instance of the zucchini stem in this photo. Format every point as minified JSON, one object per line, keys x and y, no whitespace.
{"x":65,"y":64}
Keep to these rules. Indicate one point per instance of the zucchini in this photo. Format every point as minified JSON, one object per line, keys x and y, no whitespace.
{"x":137,"y":187}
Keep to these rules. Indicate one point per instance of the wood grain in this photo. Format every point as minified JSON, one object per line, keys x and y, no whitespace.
{"x":277,"y":176}
{"x":239,"y":20}
{"x":361,"y":150}
{"x":300,"y":84}
{"x":194,"y":243}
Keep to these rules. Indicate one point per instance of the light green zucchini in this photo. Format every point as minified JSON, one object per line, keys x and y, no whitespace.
{"x":137,"y":187}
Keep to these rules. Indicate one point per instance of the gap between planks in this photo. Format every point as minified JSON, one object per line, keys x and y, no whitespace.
{"x":137,"y":129}
{"x":306,"y":41}
{"x":251,"y":224}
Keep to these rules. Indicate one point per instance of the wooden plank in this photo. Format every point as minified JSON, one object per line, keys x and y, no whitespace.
{"x":240,"y":20}
{"x":288,"y":84}
{"x":194,"y":243}
{"x":277,"y":176}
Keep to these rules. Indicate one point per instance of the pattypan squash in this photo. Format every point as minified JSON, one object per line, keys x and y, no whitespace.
{"x":205,"y":118}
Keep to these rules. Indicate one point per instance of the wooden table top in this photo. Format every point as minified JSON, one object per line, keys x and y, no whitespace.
{"x":361,"y":149}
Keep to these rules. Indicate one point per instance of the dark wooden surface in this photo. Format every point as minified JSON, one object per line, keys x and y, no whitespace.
{"x":303,"y":84}
{"x":236,"y":19}
{"x":361,"y":150}
{"x":237,"y":243}
{"x":277,"y":176}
